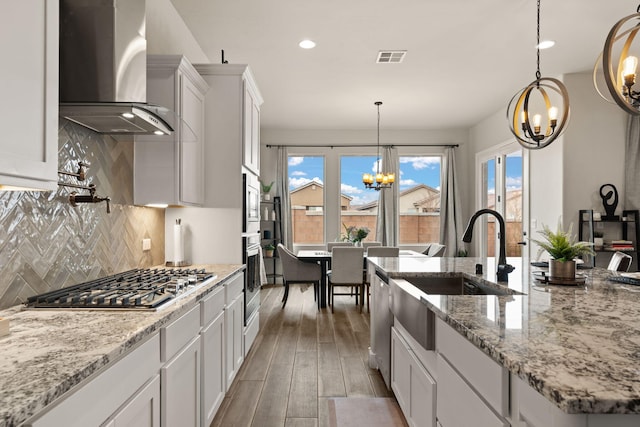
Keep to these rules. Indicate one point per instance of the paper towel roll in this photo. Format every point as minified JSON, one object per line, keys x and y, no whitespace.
{"x":178,"y":244}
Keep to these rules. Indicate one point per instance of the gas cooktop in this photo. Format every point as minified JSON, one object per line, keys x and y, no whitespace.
{"x":137,"y":289}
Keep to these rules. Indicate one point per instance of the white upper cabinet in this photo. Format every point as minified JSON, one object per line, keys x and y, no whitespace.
{"x":232,"y":131}
{"x":29,"y":90}
{"x":170,"y":169}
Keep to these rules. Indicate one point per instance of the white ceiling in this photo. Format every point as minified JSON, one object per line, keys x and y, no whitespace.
{"x":465,"y":59}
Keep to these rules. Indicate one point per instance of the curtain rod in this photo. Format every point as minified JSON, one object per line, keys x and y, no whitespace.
{"x":363,"y":145}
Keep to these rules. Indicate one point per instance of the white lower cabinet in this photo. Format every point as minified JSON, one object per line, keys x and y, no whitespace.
{"x":212,"y":340}
{"x":180,"y":375}
{"x":472,"y":388}
{"x":458,"y":403}
{"x":414,"y":388}
{"x":122,"y":384}
{"x":181,"y":387}
{"x":143,"y":410}
{"x":234,"y":322}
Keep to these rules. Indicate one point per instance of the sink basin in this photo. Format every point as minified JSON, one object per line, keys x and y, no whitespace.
{"x":415,"y":317}
{"x":457,"y":286}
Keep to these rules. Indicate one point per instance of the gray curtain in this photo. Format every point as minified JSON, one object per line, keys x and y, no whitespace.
{"x":451,"y":227}
{"x":632,"y":164}
{"x":282,"y":190}
{"x":387,"y":221}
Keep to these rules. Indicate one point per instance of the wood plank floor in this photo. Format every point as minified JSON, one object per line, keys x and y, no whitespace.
{"x":301,"y":357}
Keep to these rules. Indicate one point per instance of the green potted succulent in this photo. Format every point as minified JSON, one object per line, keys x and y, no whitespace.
{"x":563,"y":249}
{"x":268,"y":250}
{"x":266,"y":188}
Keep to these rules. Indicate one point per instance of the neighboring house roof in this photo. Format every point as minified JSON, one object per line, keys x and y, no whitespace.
{"x":404,"y":193}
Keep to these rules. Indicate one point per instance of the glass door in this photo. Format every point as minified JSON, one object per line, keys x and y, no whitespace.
{"x":503,"y":173}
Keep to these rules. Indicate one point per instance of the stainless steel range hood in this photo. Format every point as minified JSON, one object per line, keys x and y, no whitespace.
{"x":103,"y":68}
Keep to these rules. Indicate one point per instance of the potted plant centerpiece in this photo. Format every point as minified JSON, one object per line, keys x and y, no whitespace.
{"x":355,"y":234}
{"x":563,"y":249}
{"x":268,"y":250}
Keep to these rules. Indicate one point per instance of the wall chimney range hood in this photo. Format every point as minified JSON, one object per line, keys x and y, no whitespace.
{"x":103,"y":68}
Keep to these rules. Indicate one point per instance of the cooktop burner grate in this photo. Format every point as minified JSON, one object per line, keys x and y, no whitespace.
{"x":136,"y":289}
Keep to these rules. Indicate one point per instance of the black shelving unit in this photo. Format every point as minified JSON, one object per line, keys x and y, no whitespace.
{"x":624,"y":227}
{"x":272,"y":228}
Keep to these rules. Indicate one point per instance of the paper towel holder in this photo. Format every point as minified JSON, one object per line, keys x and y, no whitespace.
{"x":178,"y":263}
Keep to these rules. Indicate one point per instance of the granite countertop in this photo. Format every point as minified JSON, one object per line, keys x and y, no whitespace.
{"x":50,"y":351}
{"x":579,"y":346}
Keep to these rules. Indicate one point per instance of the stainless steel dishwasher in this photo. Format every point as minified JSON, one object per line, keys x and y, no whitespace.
{"x":381,"y":322}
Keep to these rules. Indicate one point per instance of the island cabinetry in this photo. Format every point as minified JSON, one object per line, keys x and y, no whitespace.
{"x":469,"y":379}
{"x":531,"y":409}
{"x":414,"y":387}
{"x":212,"y":339}
{"x":29,"y":115}
{"x":129,"y":389}
{"x":180,"y":374}
{"x":233,"y":324}
{"x":170,"y":169}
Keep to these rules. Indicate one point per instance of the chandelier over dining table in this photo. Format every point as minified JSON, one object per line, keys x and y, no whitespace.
{"x":379,"y":180}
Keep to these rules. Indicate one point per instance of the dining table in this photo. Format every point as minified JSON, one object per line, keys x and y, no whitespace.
{"x":323,"y":257}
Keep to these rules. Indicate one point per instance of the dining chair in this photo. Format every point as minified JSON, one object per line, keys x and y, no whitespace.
{"x":346,"y":270}
{"x":367,"y":245}
{"x":620,"y":262}
{"x":436,"y":249}
{"x":377,"y":251}
{"x":296,"y":271}
{"x":331,"y":245}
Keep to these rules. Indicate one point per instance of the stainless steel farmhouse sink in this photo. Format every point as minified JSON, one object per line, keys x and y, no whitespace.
{"x":414,"y":315}
{"x":457,"y":285}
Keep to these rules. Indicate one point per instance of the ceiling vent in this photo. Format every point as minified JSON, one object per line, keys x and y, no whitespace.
{"x":390,"y":56}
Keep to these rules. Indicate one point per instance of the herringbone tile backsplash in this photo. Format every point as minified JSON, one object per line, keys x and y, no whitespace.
{"x":46,"y":244}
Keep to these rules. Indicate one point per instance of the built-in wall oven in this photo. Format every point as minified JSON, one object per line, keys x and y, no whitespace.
{"x":251,"y":245}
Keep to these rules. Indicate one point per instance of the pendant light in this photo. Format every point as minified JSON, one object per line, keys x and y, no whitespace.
{"x":534,"y":120}
{"x":381,"y":179}
{"x":619,"y":66}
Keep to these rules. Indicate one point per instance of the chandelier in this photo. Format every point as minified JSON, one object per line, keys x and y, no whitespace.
{"x":380,"y":179}
{"x":525,"y":113}
{"x":619,"y":66}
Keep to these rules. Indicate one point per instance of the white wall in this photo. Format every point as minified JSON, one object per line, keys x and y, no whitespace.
{"x":309,"y":138}
{"x":593,"y":150}
{"x":167,"y":34}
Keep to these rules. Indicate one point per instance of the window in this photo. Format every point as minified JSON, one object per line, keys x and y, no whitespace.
{"x":358,"y":205}
{"x":306,"y":189}
{"x":419,"y":199}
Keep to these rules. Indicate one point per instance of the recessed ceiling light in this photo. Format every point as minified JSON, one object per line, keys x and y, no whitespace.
{"x":546,"y":44}
{"x":307,"y":44}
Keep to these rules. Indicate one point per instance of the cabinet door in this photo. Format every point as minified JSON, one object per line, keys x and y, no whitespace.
{"x":213,"y":386}
{"x":458,"y":404}
{"x":192,"y":143}
{"x":180,"y":379}
{"x":143,"y":410}
{"x":234,"y":356}
{"x":414,"y":388}
{"x":400,"y":372}
{"x":29,"y":113}
{"x":251,"y":135}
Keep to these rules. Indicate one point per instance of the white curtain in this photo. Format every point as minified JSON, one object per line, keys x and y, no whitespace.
{"x":387,"y":221}
{"x":451,"y":227}
{"x":282,"y":190}
{"x":632,"y":164}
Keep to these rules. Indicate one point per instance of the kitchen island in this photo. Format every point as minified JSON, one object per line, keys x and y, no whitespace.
{"x":49,"y":353}
{"x":578,"y":346}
